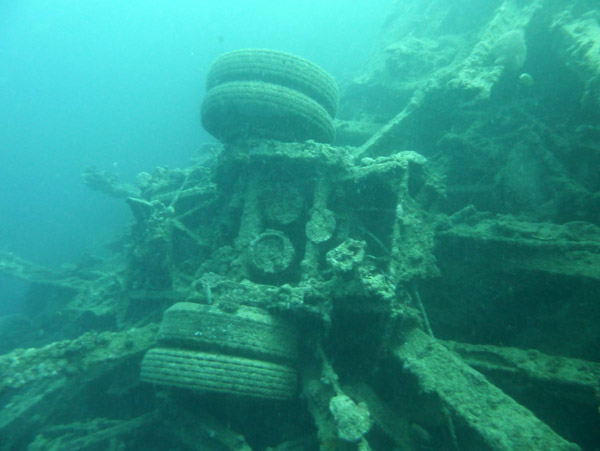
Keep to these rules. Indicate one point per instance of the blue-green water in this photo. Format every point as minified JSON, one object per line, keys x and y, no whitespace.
{"x":118,"y":85}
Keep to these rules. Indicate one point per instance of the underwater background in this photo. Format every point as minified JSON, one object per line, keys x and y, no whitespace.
{"x":335,"y":226}
{"x":119,"y":86}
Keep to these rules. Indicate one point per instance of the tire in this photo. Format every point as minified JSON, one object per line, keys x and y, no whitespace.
{"x":251,"y":109}
{"x":271,"y":252}
{"x":207,"y":372}
{"x":278,"y":68}
{"x":249,"y":332}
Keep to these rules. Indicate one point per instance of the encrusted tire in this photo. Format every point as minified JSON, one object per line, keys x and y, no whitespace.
{"x":321,"y":226}
{"x":252,"y":109}
{"x":247,"y":332}
{"x":271,"y":252}
{"x":203,"y":371}
{"x":283,"y":203}
{"x":278,"y":68}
